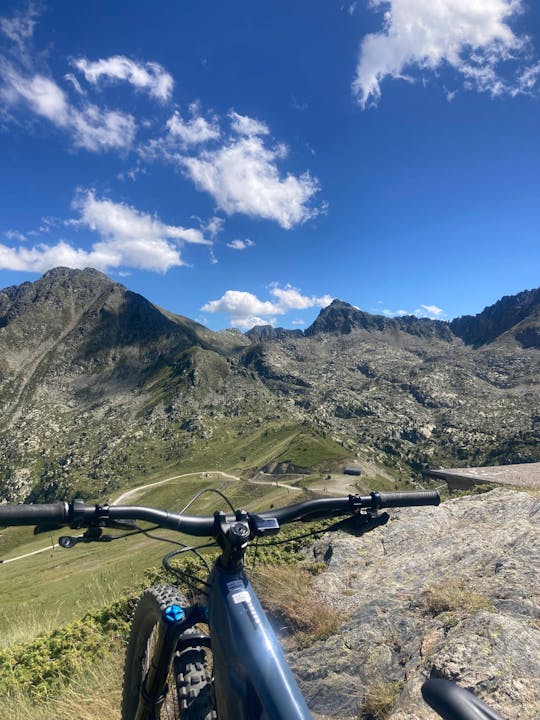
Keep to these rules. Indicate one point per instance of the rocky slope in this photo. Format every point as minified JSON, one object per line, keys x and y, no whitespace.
{"x":450,"y":592}
{"x":514,"y":318}
{"x":98,"y":385}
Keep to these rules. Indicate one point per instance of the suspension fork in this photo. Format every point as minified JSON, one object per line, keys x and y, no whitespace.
{"x":171,"y":636}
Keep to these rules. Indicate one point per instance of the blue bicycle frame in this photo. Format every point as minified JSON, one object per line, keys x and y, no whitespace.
{"x":252,"y":678}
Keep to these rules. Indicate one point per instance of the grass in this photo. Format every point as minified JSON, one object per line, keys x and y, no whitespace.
{"x":45,"y":591}
{"x":379,"y":700}
{"x":298,"y":610}
{"x":94,"y":693}
{"x":44,"y":666}
{"x":450,"y":595}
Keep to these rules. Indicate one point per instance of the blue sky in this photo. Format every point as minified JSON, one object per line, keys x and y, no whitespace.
{"x":244,"y":163}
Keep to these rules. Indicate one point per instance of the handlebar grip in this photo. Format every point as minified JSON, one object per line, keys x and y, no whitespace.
{"x":407,"y":499}
{"x":34,"y":514}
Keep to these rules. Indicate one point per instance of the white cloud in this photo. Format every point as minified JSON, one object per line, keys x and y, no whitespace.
{"x":20,"y":29}
{"x":471,"y":37}
{"x":15,"y":235}
{"x":240,"y":303}
{"x":194,"y":131}
{"x":430,"y":311}
{"x":247,"y":310}
{"x":290,"y":298}
{"x":240,"y":244}
{"x":240,"y":171}
{"x":70,"y":78}
{"x":242,"y":176}
{"x":149,"y":76}
{"x":245,"y":125}
{"x":95,"y":129}
{"x":128,"y":239}
{"x":89,"y":126}
{"x":212,"y":227}
{"x":41,"y":94}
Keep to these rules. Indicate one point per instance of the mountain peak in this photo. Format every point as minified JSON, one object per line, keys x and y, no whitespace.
{"x":342,"y":318}
{"x":63,"y":273}
{"x":517,"y":317}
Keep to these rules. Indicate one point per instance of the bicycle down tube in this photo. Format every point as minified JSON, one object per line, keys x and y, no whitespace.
{"x":252,"y":678}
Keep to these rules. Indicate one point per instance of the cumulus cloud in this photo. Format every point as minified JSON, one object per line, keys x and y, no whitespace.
{"x":290,"y":298}
{"x":243,"y":177}
{"x":240,"y":244}
{"x":128,"y":239}
{"x":149,"y":76}
{"x":194,"y":131}
{"x":247,"y":310}
{"x":95,"y":129}
{"x":240,"y":170}
{"x":474,"y":38}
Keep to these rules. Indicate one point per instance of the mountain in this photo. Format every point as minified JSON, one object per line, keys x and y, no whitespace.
{"x":99,"y":387}
{"x":269,"y":332}
{"x":514,"y":317}
{"x":340,"y":317}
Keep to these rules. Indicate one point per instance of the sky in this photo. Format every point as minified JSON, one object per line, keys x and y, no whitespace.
{"x":246,"y":163}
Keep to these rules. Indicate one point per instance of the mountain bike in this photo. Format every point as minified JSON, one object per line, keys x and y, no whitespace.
{"x":218,"y":657}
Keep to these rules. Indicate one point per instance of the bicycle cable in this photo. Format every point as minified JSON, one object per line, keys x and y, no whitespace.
{"x":208,"y":490}
{"x":183,"y":574}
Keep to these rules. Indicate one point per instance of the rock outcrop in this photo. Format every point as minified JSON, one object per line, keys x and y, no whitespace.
{"x":450,"y":592}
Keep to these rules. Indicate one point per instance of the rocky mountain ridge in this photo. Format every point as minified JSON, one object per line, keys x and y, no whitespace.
{"x":516,"y":316}
{"x":98,"y":385}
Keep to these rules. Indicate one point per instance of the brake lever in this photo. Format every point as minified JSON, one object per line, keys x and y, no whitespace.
{"x":93,"y":534}
{"x":360,"y":523}
{"x":69,"y":541}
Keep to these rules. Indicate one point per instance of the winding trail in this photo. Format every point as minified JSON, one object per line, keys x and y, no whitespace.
{"x":141,"y":488}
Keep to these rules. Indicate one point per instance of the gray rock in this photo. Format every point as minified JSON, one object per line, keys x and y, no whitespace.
{"x":450,"y":591}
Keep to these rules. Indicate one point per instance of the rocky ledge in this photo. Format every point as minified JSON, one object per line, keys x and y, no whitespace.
{"x":448,"y":592}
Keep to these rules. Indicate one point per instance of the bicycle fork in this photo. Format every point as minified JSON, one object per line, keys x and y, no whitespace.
{"x":173,"y":634}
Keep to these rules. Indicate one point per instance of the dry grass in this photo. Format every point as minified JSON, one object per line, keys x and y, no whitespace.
{"x":379,"y":700}
{"x":298,"y":610}
{"x":451,"y":595}
{"x":92,"y":695}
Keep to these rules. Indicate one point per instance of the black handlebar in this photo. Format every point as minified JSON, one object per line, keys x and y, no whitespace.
{"x":35,"y":514}
{"x":78,"y":514}
{"x":408,"y":499}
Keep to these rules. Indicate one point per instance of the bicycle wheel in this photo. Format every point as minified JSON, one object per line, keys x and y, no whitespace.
{"x":191,"y":692}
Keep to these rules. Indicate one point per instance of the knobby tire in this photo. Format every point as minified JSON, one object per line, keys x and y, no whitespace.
{"x":191,"y":692}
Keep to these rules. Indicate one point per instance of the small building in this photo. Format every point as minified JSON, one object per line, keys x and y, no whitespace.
{"x":353,"y":471}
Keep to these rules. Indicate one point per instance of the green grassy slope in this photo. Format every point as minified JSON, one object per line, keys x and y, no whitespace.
{"x":45,"y":590}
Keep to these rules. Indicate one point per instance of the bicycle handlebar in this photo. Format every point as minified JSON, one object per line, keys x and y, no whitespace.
{"x":35,"y":514}
{"x":78,"y":514}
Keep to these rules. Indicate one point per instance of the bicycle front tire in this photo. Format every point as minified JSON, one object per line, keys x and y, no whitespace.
{"x":191,"y":692}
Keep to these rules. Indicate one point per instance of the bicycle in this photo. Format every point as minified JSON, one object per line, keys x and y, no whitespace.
{"x":167,"y":668}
